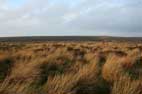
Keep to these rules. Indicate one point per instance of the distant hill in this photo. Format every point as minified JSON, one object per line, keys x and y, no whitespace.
{"x":69,"y":38}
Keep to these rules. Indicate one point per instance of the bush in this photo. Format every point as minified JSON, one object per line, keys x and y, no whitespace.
{"x":5,"y":66}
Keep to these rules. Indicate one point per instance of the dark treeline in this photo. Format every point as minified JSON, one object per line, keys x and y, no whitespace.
{"x":69,"y":38}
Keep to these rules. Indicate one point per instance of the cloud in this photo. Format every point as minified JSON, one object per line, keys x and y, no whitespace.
{"x":71,"y":17}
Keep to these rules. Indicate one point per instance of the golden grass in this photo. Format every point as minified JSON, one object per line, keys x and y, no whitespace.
{"x":127,"y":86}
{"x":71,"y":68}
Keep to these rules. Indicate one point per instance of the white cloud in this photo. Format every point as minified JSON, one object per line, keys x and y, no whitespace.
{"x":53,"y":17}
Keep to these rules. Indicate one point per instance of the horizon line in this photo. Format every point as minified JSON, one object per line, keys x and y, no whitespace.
{"x":70,"y":36}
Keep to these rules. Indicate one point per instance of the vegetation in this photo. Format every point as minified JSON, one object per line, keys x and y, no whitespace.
{"x":70,"y":68}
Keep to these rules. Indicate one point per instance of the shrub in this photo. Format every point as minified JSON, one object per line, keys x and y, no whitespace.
{"x":6,"y":63}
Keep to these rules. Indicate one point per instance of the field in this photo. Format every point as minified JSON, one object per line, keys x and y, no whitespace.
{"x":91,"y":67}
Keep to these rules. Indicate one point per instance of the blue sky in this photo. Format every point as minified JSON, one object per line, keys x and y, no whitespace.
{"x":70,"y":17}
{"x":16,"y":3}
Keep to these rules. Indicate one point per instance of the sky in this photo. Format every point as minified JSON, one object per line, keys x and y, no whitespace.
{"x":71,"y":18}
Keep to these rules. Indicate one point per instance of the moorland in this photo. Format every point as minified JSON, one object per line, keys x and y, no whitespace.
{"x":70,"y":67}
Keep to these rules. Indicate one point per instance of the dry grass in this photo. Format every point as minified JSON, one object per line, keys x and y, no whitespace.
{"x":127,"y":86}
{"x":71,"y":68}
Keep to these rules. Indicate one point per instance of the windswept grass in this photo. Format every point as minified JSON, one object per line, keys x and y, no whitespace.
{"x":71,"y":68}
